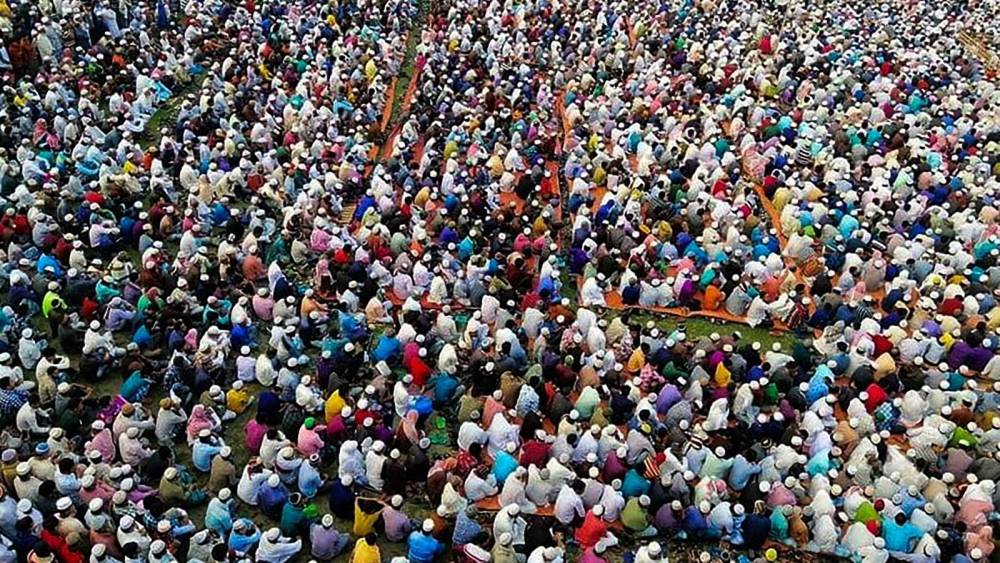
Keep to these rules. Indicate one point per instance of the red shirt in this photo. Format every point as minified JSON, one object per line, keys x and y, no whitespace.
{"x":534,"y":452}
{"x":950,"y":306}
{"x":591,"y":532}
{"x":464,"y":463}
{"x":882,"y":344}
{"x":60,"y":548}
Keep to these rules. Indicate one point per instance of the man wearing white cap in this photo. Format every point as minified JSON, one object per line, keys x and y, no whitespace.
{"x":276,"y":548}
{"x":423,"y":547}
{"x":326,"y":542}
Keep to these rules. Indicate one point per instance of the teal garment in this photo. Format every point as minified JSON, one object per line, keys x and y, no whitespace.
{"x":105,"y":292}
{"x":934,"y":160}
{"x":588,"y":401}
{"x":503,"y":466}
{"x":634,"y":484}
{"x":715,"y":467}
{"x":983,"y":249}
{"x":819,"y":464}
{"x":900,"y":537}
{"x":634,"y":139}
{"x":848,"y":224}
{"x":277,"y":252}
{"x":779,"y":525}
{"x":134,"y":388}
{"x":293,"y":520}
{"x":721,"y":146}
{"x":707,"y":277}
{"x":466,"y":248}
{"x":874,"y":137}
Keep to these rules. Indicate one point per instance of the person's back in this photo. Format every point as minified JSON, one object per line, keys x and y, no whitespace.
{"x":423,"y":548}
{"x":365,"y":551}
{"x":899,"y":533}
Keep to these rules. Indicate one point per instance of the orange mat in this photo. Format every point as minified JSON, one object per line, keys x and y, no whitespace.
{"x":387,"y":110}
{"x":492,"y":504}
{"x":613,"y":300}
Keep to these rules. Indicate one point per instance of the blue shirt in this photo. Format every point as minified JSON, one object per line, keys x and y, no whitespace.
{"x":202,"y":454}
{"x":898,"y":536}
{"x":741,"y":472}
{"x":309,"y":480}
{"x":387,"y":349}
{"x":12,"y":400}
{"x":444,"y":387}
{"x":272,"y":498}
{"x":423,"y":548}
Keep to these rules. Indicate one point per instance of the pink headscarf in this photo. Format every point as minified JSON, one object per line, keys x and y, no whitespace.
{"x":199,"y":421}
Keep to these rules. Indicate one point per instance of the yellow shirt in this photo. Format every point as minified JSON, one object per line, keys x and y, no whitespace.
{"x":722,"y":375}
{"x":334,"y":404}
{"x":364,"y":522}
{"x":599,"y":176}
{"x":237,"y":400}
{"x":884,"y":365}
{"x":636,"y":361}
{"x":993,"y":318}
{"x":364,"y":553}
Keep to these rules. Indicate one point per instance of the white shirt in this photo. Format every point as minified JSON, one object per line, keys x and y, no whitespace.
{"x":568,"y":505}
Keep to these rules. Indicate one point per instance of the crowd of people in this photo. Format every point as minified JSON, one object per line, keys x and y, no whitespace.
{"x":288,"y":280}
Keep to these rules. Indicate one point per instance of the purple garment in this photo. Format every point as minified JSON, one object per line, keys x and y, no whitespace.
{"x":381,"y":433}
{"x":327,"y":543}
{"x":959,"y":355}
{"x":787,"y":410}
{"x":578,"y":259}
{"x":668,"y":396}
{"x":978,"y":358}
{"x":664,"y":520}
{"x":956,"y":462}
{"x":140,"y":493}
{"x":687,"y":291}
{"x":397,"y":525}
{"x":932,"y":328}
{"x":118,"y":318}
{"x":613,"y":468}
{"x":325,"y":367}
{"x":720,"y":393}
{"x":716,"y":358}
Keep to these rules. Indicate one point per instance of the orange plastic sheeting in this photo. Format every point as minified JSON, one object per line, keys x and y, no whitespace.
{"x":567,"y":125}
{"x":560,"y":109}
{"x":411,"y":88}
{"x":613,"y":300}
{"x":419,"y":148}
{"x":387,"y":110}
{"x":492,"y":504}
{"x":632,"y":40}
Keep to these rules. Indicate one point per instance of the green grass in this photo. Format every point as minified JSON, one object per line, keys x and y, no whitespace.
{"x":700,"y":327}
{"x":407,"y":69}
{"x":695,"y":327}
{"x":166,"y":115}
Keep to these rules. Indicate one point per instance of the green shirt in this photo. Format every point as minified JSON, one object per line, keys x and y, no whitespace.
{"x":634,"y":515}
